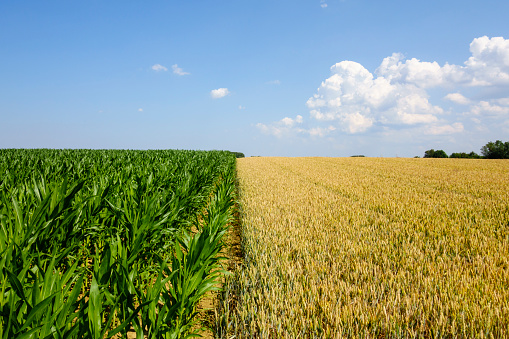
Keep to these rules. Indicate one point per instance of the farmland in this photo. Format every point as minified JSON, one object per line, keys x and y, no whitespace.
{"x":110,"y":243}
{"x":99,"y":244}
{"x":374,"y":248}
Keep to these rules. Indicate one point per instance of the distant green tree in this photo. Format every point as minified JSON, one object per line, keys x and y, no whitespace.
{"x":238,"y":154}
{"x":463,"y":155}
{"x":440,"y":154}
{"x":496,"y":150}
{"x":473,"y":155}
{"x":431,"y":153}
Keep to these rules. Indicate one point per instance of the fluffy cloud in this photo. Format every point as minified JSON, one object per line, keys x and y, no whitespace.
{"x":457,"y":127}
{"x":283,"y":127}
{"x":291,"y":122}
{"x":219,"y":93}
{"x":488,"y":66}
{"x":159,"y":68}
{"x":357,"y":122}
{"x":489,"y":63}
{"x":356,"y":100}
{"x":408,"y":102}
{"x":293,"y":126}
{"x":413,"y":71}
{"x":421,"y":73}
{"x":486,"y":108}
{"x":177,"y":70}
{"x":320,"y":131}
{"x":457,"y":98}
{"x":397,"y":94}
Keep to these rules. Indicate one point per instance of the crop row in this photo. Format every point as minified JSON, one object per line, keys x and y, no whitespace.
{"x":97,"y":244}
{"x":373,"y":248}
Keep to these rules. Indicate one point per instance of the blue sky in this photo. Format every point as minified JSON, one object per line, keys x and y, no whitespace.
{"x":270,"y":78}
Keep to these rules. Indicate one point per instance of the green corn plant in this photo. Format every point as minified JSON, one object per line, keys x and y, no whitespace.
{"x":41,"y":301}
{"x":95,"y":244}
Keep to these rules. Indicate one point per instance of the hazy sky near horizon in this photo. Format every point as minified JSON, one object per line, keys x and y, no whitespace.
{"x":269,"y":78}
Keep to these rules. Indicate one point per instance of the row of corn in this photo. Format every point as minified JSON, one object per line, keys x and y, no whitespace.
{"x":110,"y":243}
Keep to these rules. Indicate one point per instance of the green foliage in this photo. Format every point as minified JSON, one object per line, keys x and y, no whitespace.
{"x":358,"y":156}
{"x":435,"y":154}
{"x":496,"y":150}
{"x":238,"y":154}
{"x":463,"y":155}
{"x":97,"y":243}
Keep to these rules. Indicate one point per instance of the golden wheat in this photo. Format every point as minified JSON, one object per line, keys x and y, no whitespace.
{"x":367,"y":247}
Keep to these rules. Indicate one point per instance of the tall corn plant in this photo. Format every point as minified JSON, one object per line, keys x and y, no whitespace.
{"x":196,"y":268}
{"x":106,"y":251}
{"x":36,"y":235}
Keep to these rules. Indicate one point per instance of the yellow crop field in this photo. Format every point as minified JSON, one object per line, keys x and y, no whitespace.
{"x":371,"y":247}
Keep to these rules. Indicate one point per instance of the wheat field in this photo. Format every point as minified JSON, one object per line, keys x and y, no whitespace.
{"x":371,"y":247}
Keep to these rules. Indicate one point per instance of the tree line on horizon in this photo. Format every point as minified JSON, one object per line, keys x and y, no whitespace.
{"x":492,"y":150}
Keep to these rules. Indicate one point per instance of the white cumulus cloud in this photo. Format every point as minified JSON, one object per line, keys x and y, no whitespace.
{"x":320,"y":131}
{"x":413,"y":71}
{"x":287,"y":127}
{"x":177,"y":70}
{"x":398,"y":92}
{"x":219,"y":93}
{"x":408,"y":100}
{"x":291,"y":122}
{"x":283,"y":127}
{"x":457,"y":98}
{"x":356,"y":122}
{"x":490,"y":109}
{"x":489,"y":63}
{"x":158,"y":68}
{"x":422,"y":74}
{"x":457,"y":127}
{"x":356,"y":100}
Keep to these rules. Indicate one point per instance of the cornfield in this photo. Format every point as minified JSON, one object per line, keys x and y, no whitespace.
{"x":372,"y":248}
{"x":99,"y":244}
